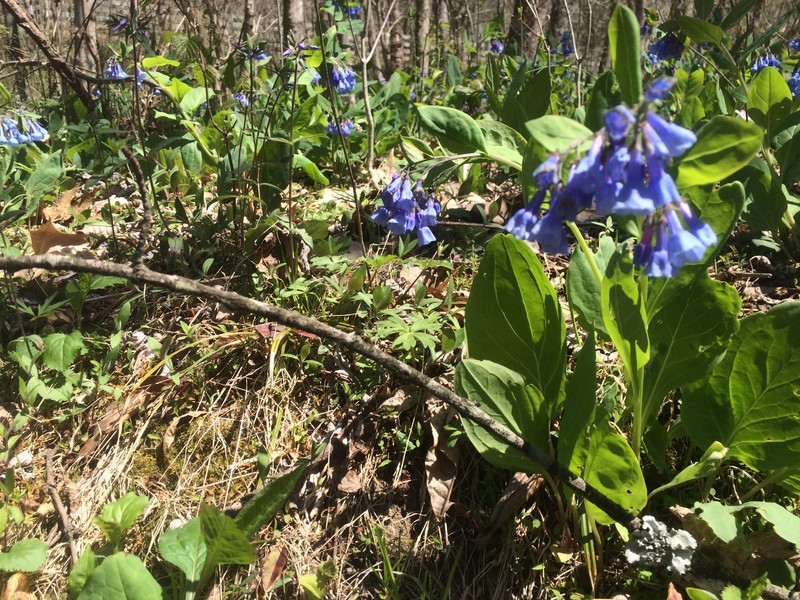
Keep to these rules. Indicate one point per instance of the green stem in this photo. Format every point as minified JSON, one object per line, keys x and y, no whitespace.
{"x":637,"y":384}
{"x":586,"y":251}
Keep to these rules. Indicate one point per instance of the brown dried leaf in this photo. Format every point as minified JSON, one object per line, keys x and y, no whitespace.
{"x":518,"y":492}
{"x":61,"y":209}
{"x":17,"y":587}
{"x":169,"y":436}
{"x":272,"y":568}
{"x":672,"y":593}
{"x":47,"y":236}
{"x":441,"y":465}
{"x":350,"y":483}
{"x":403,"y":398}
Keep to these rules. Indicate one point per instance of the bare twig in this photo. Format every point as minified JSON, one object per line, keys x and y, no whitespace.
{"x":58,"y":505}
{"x":289,"y":318}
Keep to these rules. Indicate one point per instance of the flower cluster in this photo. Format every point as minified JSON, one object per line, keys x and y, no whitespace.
{"x":565,"y":47}
{"x":666,"y":48}
{"x":762,"y":62}
{"x":241,"y":98}
{"x":794,"y":45}
{"x":345,"y":128}
{"x":343,"y":78}
{"x":794,"y":84}
{"x":254,"y":53}
{"x":496,"y":46}
{"x":11,"y":135}
{"x":352,"y":9}
{"x":624,"y":173}
{"x":405,"y":209}
{"x":114,"y":70}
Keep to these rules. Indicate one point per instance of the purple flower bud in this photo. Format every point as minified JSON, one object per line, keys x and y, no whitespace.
{"x":659,"y":89}
{"x":618,"y":123}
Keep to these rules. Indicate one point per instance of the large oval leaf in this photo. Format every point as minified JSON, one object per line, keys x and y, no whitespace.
{"x":556,"y":133}
{"x":121,"y":577}
{"x":504,"y":395}
{"x":724,"y":145}
{"x":513,"y":316}
{"x":769,"y":100}
{"x":456,"y":131}
{"x":750,"y":401}
{"x":623,"y":39}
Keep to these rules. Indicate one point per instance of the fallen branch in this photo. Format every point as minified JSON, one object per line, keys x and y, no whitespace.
{"x":289,"y":318}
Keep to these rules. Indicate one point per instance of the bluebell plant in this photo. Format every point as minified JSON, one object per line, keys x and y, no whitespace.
{"x":251,"y":53}
{"x":241,"y":98}
{"x":12,"y":135}
{"x":565,"y":47}
{"x":343,"y":78}
{"x":762,"y":62}
{"x":496,"y":46}
{"x":406,"y":209}
{"x":794,"y":84}
{"x":794,"y":45}
{"x":345,"y":128}
{"x":114,"y":70}
{"x":624,"y":172}
{"x":665,"y":49}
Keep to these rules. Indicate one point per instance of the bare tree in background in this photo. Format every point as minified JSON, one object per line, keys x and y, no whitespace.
{"x":86,"y":55}
{"x":294,"y":20}
{"x":424,"y":18}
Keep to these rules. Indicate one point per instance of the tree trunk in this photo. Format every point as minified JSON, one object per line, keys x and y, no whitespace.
{"x":423,"y":29}
{"x":86,"y":55}
{"x":294,"y":21}
{"x":397,"y":42}
{"x":248,"y":28}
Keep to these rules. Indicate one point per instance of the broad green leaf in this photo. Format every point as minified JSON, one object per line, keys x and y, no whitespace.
{"x":769,"y":100}
{"x":721,"y":520}
{"x":556,"y":133}
{"x":767,"y":197}
{"x":601,"y":99}
{"x":575,"y":428}
{"x":185,"y":548}
{"x":698,"y":594}
{"x":121,"y":577}
{"x":26,"y":555}
{"x":191,"y":100}
{"x":453,"y":72}
{"x":192,"y":158}
{"x":151,"y":62}
{"x":60,"y":350}
{"x":123,"y":512}
{"x":263,"y":506}
{"x":81,"y":570}
{"x":750,"y":401}
{"x":225,"y":542}
{"x":530,"y":102}
{"x":724,"y":145}
{"x":720,"y":209}
{"x":613,"y":469}
{"x":700,"y":31}
{"x":623,"y":39}
{"x":500,"y":134}
{"x":44,"y":176}
{"x":455,"y":130}
{"x":503,"y":395}
{"x":415,"y":149}
{"x":691,"y":112}
{"x":623,"y":311}
{"x":513,"y":316}
{"x":582,"y":285}
{"x":704,"y":8}
{"x":311,"y":169}
{"x":708,"y":464}
{"x":692,"y":318}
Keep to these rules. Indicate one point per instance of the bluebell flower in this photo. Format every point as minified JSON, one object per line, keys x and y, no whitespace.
{"x":550,"y":234}
{"x":496,"y":46}
{"x":659,"y":264}
{"x":565,"y":46}
{"x":618,"y":122}
{"x":114,"y":71}
{"x":646,"y":29}
{"x":140,"y":76}
{"x":343,"y":78}
{"x":36,"y":133}
{"x":241,"y":98}
{"x":255,"y":53}
{"x":702,"y":231}
{"x":315,"y":76}
{"x":405,"y":210}
{"x":118,"y":23}
{"x":521,"y":223}
{"x":11,"y":132}
{"x":683,"y":247}
{"x":762,"y":62}
{"x":634,"y":197}
{"x":665,"y":49}
{"x":658,"y":89}
{"x":794,"y":45}
{"x":794,"y":84}
{"x":346,"y":127}
{"x":548,"y":172}
{"x":675,"y":139}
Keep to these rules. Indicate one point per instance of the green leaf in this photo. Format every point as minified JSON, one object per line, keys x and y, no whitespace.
{"x":44,"y":176}
{"x":81,"y":571}
{"x":767,"y":197}
{"x":769,"y":100}
{"x":26,"y":556}
{"x":720,"y":209}
{"x":708,"y":464}
{"x":262,"y":507}
{"x":152,"y":62}
{"x":513,"y":316}
{"x":623,"y":311}
{"x":700,"y":31}
{"x":722,"y":522}
{"x":225,"y":542}
{"x":724,"y":145}
{"x":185,"y":548}
{"x":121,"y":577}
{"x":311,"y":169}
{"x":118,"y":516}
{"x":575,"y":428}
{"x":455,"y":130}
{"x":60,"y":350}
{"x":453,"y":72}
{"x":703,"y":8}
{"x":750,"y":401}
{"x":737,"y":13}
{"x":503,"y":395}
{"x":582,"y":286}
{"x":613,"y":469}
{"x":530,"y":102}
{"x":601,"y":99}
{"x":193,"y":98}
{"x":692,"y":319}
{"x":698,"y":594}
{"x":500,"y":134}
{"x":556,"y":133}
{"x":625,"y":46}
